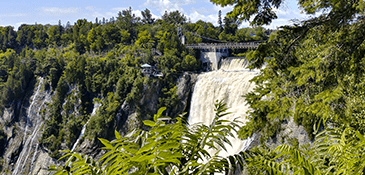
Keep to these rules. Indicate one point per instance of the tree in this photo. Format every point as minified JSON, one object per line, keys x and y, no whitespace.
{"x":262,"y":11}
{"x":22,"y":35}
{"x":230,"y":25}
{"x":144,"y":39}
{"x":68,"y":25}
{"x":147,"y":17}
{"x":220,"y":23}
{"x":128,"y":21}
{"x":54,"y":35}
{"x":112,"y":20}
{"x":174,"y":17}
{"x":314,"y":73}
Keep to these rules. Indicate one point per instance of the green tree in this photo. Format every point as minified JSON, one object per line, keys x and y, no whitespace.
{"x":144,"y":39}
{"x":314,"y":70}
{"x":174,"y":17}
{"x":261,"y":11}
{"x":147,"y":17}
{"x":220,"y":23}
{"x":128,"y":21}
{"x":54,"y":35}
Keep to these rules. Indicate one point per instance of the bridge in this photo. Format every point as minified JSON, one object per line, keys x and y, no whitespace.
{"x":211,"y":54}
{"x":218,"y":46}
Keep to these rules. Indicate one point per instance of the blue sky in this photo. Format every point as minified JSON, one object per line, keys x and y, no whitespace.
{"x":19,"y":12}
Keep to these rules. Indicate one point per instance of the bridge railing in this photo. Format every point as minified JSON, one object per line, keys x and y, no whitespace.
{"x":246,"y":45}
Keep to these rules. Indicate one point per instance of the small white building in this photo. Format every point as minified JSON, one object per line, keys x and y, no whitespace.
{"x":150,"y":71}
{"x":147,"y":69}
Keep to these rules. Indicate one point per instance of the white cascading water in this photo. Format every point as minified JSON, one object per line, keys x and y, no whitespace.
{"x":82,"y":133}
{"x":229,"y":83}
{"x":30,"y":108}
{"x":28,"y":139}
{"x":96,"y":107}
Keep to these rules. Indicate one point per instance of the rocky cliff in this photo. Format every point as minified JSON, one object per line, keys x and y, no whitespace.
{"x":23,"y":125}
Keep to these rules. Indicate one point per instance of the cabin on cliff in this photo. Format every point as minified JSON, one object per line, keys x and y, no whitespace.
{"x":149,"y":71}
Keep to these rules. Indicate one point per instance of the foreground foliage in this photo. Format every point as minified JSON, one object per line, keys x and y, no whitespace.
{"x":315,"y":71}
{"x":164,"y":149}
{"x":333,"y":152}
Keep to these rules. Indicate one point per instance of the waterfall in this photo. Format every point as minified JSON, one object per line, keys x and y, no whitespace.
{"x":32,"y":121}
{"x":29,"y":111}
{"x":229,"y":83}
{"x":96,"y":106}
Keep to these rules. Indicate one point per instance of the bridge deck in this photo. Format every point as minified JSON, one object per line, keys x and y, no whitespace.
{"x":247,"y":45}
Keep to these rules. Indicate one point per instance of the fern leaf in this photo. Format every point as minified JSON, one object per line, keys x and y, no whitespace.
{"x":106,"y":143}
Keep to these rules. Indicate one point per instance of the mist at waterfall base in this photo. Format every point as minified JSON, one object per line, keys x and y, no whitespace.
{"x":229,"y":84}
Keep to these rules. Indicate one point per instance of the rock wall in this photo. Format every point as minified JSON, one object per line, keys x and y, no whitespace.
{"x":212,"y":59}
{"x":23,"y":127}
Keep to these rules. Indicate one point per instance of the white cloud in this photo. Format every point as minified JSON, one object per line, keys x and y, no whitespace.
{"x":168,"y":5}
{"x":18,"y":24}
{"x":90,"y":8}
{"x":110,"y":14}
{"x":196,"y":16}
{"x":137,"y":13}
{"x":288,"y":16}
{"x":55,"y":11}
{"x":13,"y":15}
{"x":120,"y":8}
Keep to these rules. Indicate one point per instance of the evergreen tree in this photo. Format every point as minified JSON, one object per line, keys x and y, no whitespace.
{"x":147,"y":17}
{"x":174,"y":17}
{"x":112,"y":20}
{"x":220,"y":23}
{"x":68,"y":25}
{"x":60,"y":27}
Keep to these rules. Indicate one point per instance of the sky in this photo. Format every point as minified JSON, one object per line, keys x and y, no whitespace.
{"x":17,"y":12}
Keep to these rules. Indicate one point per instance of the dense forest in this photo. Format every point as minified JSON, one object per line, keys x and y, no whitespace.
{"x":99,"y":62}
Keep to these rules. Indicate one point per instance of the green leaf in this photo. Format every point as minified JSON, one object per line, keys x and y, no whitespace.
{"x":149,"y":123}
{"x":117,"y":135}
{"x":159,"y":113}
{"x":106,"y":143}
{"x":146,"y":147}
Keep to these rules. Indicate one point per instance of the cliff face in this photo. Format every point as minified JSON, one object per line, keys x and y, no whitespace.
{"x":23,"y":125}
{"x":185,"y":88}
{"x":23,"y":128}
